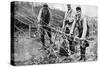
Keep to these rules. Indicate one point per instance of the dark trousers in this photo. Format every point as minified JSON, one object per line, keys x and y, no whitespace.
{"x":43,"y":30}
{"x":71,"y":45}
{"x":83,"y":50}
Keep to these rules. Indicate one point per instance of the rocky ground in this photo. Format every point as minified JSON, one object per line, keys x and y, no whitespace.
{"x":27,"y":51}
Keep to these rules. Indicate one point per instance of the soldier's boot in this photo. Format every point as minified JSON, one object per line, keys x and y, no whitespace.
{"x":82,"y":57}
{"x":72,"y":49}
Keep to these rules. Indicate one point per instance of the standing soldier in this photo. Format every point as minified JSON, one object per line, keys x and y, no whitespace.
{"x":67,"y":25}
{"x":83,"y":31}
{"x":44,"y":19}
{"x":68,"y":19}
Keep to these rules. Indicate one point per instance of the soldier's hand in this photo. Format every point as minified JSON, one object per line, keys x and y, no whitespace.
{"x":76,"y":38}
{"x":70,"y":35}
{"x":82,"y":39}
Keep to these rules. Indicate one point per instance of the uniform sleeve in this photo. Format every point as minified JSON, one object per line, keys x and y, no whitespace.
{"x":84,"y":28}
{"x":73,"y":26}
{"x":74,"y":22}
{"x":72,"y":16}
{"x":39,"y":15}
{"x":50,"y":15}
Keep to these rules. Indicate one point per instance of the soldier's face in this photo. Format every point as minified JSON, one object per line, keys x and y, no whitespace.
{"x":78,"y":13}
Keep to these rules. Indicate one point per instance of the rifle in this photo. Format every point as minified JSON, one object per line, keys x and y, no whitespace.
{"x":61,"y":32}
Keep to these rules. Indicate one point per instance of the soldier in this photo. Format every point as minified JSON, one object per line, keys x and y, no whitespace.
{"x":68,"y":19}
{"x":67,"y":25}
{"x":44,"y":19}
{"x":83,"y":31}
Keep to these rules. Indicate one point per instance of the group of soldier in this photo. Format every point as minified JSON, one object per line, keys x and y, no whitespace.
{"x":71,"y":21}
